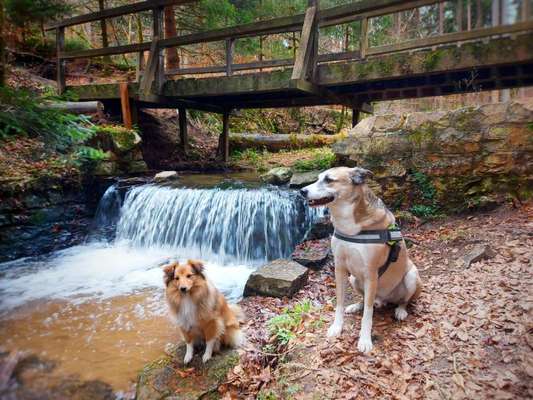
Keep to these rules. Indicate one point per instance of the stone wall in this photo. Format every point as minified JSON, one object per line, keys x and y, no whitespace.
{"x":467,"y":158}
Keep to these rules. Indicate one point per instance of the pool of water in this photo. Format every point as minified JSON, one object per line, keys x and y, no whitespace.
{"x":98,"y":309}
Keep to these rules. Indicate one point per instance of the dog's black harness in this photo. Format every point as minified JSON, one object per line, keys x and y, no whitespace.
{"x":391,"y":237}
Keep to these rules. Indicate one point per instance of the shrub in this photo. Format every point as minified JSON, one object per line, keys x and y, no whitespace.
{"x":284,"y":326}
{"x":76,"y":44}
{"x":321,"y":159}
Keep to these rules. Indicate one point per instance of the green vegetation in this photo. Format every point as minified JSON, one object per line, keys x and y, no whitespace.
{"x":323,"y":158}
{"x":428,"y":207}
{"x":283,"y":327}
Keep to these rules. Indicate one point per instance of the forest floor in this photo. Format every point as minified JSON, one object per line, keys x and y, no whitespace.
{"x":469,"y":335}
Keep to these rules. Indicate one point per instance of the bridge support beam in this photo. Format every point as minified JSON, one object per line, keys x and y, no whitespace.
{"x":184,"y":137}
{"x":355,"y":116}
{"x":223,"y":142}
{"x":127,"y":114}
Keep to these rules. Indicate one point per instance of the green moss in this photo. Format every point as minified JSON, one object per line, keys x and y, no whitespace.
{"x":385,"y":67}
{"x":38,"y":217}
{"x":222,"y":365}
{"x":530,"y":126}
{"x":424,"y":135}
{"x":432,"y":60}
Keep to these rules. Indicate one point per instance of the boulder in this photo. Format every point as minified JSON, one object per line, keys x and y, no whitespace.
{"x":135,"y":167}
{"x":165,"y":176}
{"x":312,"y":254}
{"x":107,"y":168}
{"x":478,"y":253}
{"x":168,"y":378}
{"x":279,"y":278}
{"x":301,"y":179}
{"x":277,"y":176}
{"x":321,"y":229}
{"x":125,"y":140}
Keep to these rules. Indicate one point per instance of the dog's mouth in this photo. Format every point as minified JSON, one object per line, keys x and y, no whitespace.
{"x":320,"y":202}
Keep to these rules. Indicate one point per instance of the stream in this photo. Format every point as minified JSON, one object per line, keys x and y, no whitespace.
{"x":98,"y":309}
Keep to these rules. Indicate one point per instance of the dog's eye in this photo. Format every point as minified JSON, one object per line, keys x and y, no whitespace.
{"x":327,"y":179}
{"x":189,"y":276}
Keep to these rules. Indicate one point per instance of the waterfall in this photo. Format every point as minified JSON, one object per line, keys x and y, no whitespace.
{"x":235,"y":225}
{"x":107,"y":215}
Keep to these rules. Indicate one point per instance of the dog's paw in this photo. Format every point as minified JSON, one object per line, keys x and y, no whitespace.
{"x":206,"y":357}
{"x":187,"y":359}
{"x":353,"y":308}
{"x":400,"y":313}
{"x":334,"y":330}
{"x":364,"y":345}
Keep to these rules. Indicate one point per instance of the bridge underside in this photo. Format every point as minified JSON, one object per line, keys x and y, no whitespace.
{"x":498,"y":63}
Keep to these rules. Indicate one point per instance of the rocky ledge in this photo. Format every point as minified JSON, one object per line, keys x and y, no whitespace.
{"x":168,"y":378}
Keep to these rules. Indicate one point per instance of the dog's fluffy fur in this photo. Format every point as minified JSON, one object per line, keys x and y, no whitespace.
{"x":200,"y":310}
{"x":354,"y":207}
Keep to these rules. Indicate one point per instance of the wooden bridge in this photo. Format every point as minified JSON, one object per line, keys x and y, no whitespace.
{"x":472,"y":58}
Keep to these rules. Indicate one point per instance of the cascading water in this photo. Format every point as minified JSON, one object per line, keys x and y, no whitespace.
{"x":224,"y":226}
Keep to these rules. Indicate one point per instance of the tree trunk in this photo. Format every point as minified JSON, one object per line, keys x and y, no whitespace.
{"x":103,"y":27}
{"x":173,"y":60}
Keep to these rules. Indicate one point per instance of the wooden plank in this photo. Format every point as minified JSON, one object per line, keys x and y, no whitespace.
{"x":116,"y":12}
{"x":60,"y":45}
{"x":363,"y":38}
{"x":151,"y":68}
{"x":157,"y":31}
{"x":230,"y":44}
{"x":129,"y":48}
{"x":125,"y":105}
{"x":302,"y":64}
{"x":184,"y":138}
{"x":451,"y":38}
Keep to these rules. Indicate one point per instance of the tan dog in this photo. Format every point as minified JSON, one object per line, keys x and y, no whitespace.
{"x":355,"y":208}
{"x":201,"y":311}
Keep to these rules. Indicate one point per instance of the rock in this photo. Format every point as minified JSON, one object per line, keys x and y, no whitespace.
{"x":278,"y":278}
{"x":165,"y":176}
{"x":125,"y":140}
{"x":106,"y":168}
{"x":312,"y":254}
{"x":478,"y":253}
{"x":435,"y":158}
{"x":135,"y":167}
{"x":277,"y":176}
{"x":301,"y":179}
{"x":321,"y":229}
{"x":168,"y":378}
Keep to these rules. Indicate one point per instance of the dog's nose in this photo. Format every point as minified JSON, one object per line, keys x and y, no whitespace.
{"x":183,"y":289}
{"x":303,"y":192}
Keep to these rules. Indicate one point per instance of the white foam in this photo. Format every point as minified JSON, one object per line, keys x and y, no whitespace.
{"x":101,"y":271}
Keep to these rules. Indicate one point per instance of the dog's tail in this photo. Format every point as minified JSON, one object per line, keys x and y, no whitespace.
{"x":233,"y":336}
{"x":237,"y":311}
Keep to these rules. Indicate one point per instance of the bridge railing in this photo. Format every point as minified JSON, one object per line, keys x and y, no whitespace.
{"x":308,"y":25}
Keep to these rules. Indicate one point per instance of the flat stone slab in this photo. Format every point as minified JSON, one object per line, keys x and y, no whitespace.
{"x":312,"y":254}
{"x":277,"y":176}
{"x":165,"y":176}
{"x":168,"y":378}
{"x":301,"y":179}
{"x":279,"y":278}
{"x":478,"y":253}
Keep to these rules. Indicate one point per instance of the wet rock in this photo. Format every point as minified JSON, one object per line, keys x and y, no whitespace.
{"x":478,"y":253}
{"x":168,"y":378}
{"x":107,"y":168}
{"x":321,"y":229}
{"x":301,"y":179}
{"x":165,"y":176}
{"x":277,"y":176}
{"x":135,"y":167}
{"x":279,"y":278}
{"x":312,"y":254}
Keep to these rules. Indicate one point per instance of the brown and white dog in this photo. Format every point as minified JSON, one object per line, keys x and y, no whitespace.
{"x":354,"y":207}
{"x":200,"y":310}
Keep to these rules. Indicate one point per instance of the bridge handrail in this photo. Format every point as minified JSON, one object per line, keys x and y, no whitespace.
{"x":362,"y":10}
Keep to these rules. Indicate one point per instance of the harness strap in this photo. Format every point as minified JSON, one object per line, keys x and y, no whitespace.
{"x":371,"y":236}
{"x":390,"y":237}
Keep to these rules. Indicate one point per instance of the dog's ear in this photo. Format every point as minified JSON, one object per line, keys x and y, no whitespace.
{"x":360,"y":175}
{"x":197,"y":266}
{"x":169,"y":272}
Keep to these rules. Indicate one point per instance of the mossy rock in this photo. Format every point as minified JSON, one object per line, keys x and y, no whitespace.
{"x":168,"y":378}
{"x":123,"y":140}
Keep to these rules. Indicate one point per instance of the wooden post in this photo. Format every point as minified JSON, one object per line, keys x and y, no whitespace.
{"x":125,"y":105}
{"x":526,"y":10}
{"x":60,"y":45}
{"x":305,"y":59}
{"x":184,"y":138}
{"x":364,"y":37}
{"x":140,"y":65}
{"x":230,"y":46}
{"x":223,"y":144}
{"x":441,"y":18}
{"x":469,"y":15}
{"x":157,"y":31}
{"x":355,"y":116}
{"x":459,"y":15}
